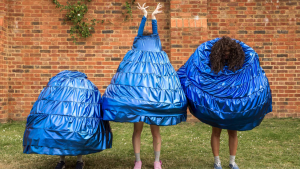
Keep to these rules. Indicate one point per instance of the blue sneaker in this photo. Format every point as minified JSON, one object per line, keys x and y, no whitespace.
{"x":217,"y":166}
{"x":233,"y":166}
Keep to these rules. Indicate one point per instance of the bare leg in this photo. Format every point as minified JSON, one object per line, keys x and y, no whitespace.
{"x":62,"y":158}
{"x":233,"y":141}
{"x":156,"y":141}
{"x":215,"y":140}
{"x":136,"y":139}
{"x":79,"y":158}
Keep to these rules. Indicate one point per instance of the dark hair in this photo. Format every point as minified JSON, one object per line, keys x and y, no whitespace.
{"x":146,"y":33}
{"x":236,"y":57}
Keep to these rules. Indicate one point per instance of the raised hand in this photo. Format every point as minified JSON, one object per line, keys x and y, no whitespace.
{"x":156,"y":11}
{"x":143,"y":8}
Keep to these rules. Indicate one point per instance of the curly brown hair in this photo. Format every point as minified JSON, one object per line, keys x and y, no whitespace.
{"x":226,"y":52}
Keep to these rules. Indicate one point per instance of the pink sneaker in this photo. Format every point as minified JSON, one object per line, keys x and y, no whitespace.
{"x":138,"y":165}
{"x":157,"y":165}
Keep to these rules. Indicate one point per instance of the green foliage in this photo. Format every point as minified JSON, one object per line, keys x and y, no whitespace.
{"x":75,"y":14}
{"x":82,"y":27}
{"x":128,"y":7}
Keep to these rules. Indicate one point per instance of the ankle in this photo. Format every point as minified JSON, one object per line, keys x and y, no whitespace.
{"x":232,"y":159}
{"x":217,"y":160}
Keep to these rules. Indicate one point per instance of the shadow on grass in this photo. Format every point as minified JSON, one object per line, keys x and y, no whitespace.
{"x":113,"y":162}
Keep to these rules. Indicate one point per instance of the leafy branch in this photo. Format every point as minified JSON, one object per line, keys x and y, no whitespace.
{"x":128,"y":7}
{"x":81,"y":26}
{"x":75,"y":13}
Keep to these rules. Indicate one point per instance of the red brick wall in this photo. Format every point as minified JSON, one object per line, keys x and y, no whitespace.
{"x":38,"y":45}
{"x":271,"y":28}
{"x":188,"y":31}
{"x":3,"y":64}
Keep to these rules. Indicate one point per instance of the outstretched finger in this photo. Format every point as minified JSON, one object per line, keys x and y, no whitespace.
{"x":146,"y":7}
{"x":157,"y":5}
{"x":139,"y":6}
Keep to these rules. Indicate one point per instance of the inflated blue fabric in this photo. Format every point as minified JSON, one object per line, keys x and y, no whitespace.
{"x":228,"y":100}
{"x":146,"y":88}
{"x":66,"y":119}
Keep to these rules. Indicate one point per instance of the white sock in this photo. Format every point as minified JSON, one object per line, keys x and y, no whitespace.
{"x":137,"y":157}
{"x":79,"y":158}
{"x":232,"y":159}
{"x":217,"y":160}
{"x":156,"y":154}
{"x":62,"y":158}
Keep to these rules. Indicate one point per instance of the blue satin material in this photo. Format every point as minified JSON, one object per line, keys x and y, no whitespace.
{"x":66,"y":119}
{"x":228,"y":100}
{"x":146,"y":87}
{"x":147,"y":43}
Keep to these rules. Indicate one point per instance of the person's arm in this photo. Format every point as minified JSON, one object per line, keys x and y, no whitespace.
{"x":144,"y":19}
{"x":142,"y":25}
{"x":154,"y":26}
{"x":154,"y":21}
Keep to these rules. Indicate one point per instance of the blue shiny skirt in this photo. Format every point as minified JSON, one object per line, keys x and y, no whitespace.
{"x":228,"y":100}
{"x":145,"y":88}
{"x":66,"y":119}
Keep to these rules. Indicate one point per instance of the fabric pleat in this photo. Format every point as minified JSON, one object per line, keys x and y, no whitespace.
{"x":229,"y":100}
{"x":67,"y":119}
{"x":146,"y":87}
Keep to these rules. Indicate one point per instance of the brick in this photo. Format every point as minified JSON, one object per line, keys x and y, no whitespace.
{"x":267,"y":44}
{"x":116,"y":12}
{"x":81,"y":51}
{"x":27,"y":67}
{"x":176,"y":46}
{"x":107,"y":31}
{"x":282,"y":55}
{"x":36,"y":38}
{"x":64,"y":67}
{"x":99,"y":12}
{"x":241,"y":8}
{"x":291,"y":59}
{"x":198,"y":23}
{"x":45,"y":67}
{"x":115,"y":59}
{"x":224,"y":32}
{"x":267,"y":67}
{"x":18,"y":70}
{"x":179,"y":23}
{"x":53,"y":47}
{"x":89,"y":47}
{"x":98,"y":75}
{"x":89,"y":55}
{"x":133,"y":27}
{"x":36,"y":23}
{"x":44,"y":51}
{"x":260,"y":16}
{"x":282,"y":31}
{"x":259,"y":32}
{"x":242,"y":32}
{"x":173,"y":22}
{"x":36,"y":31}
{"x":124,"y":47}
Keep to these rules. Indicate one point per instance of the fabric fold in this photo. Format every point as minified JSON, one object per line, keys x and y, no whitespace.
{"x":229,"y":100}
{"x":67,"y":119}
{"x":146,"y":87}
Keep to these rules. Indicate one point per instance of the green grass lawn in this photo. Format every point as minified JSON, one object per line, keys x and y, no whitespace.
{"x":274,"y":144}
